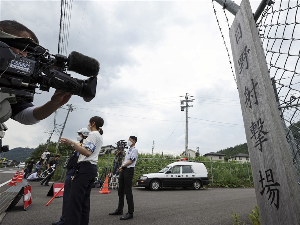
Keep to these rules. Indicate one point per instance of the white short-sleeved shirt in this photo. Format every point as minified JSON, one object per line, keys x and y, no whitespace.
{"x":44,"y":155}
{"x":131,"y":154}
{"x":92,"y":143}
{"x":26,"y":116}
{"x":33,"y":176}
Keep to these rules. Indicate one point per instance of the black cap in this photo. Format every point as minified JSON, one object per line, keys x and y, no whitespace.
{"x":134,"y":138}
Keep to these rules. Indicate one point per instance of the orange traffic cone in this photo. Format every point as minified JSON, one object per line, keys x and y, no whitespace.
{"x":20,"y":177}
{"x":13,"y":181}
{"x":104,"y":189}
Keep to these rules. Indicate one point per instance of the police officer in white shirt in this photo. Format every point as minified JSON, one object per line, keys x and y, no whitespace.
{"x":125,"y":180}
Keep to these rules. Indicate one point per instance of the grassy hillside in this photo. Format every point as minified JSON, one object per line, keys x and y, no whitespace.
{"x":242,"y":148}
{"x":19,"y":154}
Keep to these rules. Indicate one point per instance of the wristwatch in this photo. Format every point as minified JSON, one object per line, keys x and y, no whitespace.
{"x":72,"y":145}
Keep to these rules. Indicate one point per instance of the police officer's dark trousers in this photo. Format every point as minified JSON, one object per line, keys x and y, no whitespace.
{"x":78,"y":209}
{"x":67,"y":190}
{"x":125,"y":187}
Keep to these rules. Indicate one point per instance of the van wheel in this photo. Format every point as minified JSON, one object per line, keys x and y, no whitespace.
{"x":154,"y":185}
{"x":196,"y":184}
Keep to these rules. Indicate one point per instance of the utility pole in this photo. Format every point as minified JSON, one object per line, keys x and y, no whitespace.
{"x":62,"y":130}
{"x":49,"y":139}
{"x":54,"y":126}
{"x":152,"y":147}
{"x":187,"y":99}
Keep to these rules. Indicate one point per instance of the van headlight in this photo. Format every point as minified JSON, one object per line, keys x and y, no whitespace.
{"x":143,"y":178}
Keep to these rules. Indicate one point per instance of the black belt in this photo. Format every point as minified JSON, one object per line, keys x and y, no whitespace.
{"x":85,"y":162}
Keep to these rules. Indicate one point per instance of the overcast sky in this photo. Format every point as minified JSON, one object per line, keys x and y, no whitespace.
{"x":150,"y":54}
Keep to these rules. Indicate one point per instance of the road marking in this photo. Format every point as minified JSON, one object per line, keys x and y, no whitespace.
{"x":5,"y":183}
{"x":8,"y":171}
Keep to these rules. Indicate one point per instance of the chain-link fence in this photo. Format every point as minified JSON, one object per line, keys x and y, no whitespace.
{"x":278,"y":27}
{"x":222,"y":174}
{"x":279,"y":31}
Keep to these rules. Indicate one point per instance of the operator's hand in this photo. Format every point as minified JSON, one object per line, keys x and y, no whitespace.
{"x":60,"y":97}
{"x":120,"y":169}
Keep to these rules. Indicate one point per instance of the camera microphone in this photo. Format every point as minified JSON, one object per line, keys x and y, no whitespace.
{"x":83,"y":65}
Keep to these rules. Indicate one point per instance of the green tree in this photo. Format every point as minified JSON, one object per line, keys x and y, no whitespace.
{"x":229,"y":152}
{"x":63,"y":150}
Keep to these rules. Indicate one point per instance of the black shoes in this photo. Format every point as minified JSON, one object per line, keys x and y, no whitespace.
{"x":116,"y":212}
{"x":127,"y":216}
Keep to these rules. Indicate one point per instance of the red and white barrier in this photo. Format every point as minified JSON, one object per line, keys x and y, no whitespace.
{"x":27,"y":197}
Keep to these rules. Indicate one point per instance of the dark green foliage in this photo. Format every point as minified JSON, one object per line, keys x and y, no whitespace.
{"x":224,"y":174}
{"x":220,"y":174}
{"x":229,"y":174}
{"x":254,"y":217}
{"x":18,"y":154}
{"x":236,"y":219}
{"x":229,"y":152}
{"x":60,"y":173}
{"x":63,"y":150}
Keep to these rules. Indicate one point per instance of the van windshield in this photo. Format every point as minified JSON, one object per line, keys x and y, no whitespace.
{"x":164,"y":169}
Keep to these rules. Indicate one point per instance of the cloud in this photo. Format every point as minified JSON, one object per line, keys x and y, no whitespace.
{"x":150,"y":54}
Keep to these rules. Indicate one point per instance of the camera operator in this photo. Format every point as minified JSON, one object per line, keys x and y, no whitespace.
{"x":25,"y":112}
{"x":51,"y":168}
{"x":118,"y":157}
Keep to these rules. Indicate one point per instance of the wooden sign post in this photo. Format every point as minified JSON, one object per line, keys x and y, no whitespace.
{"x":276,"y":188}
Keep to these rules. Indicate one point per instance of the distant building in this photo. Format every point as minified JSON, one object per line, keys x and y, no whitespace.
{"x":240,"y":157}
{"x":190,"y":153}
{"x":213,"y":156}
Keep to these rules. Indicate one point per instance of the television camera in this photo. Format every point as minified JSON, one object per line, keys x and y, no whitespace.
{"x":3,"y":128}
{"x":121,"y":145}
{"x":21,"y":76}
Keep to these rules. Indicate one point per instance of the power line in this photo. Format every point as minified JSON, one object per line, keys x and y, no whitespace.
{"x":171,"y":134}
{"x":207,"y":99}
{"x":147,"y":118}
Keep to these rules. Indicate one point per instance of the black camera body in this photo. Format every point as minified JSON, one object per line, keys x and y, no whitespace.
{"x":20,"y":76}
{"x":121,"y":145}
{"x":4,"y":148}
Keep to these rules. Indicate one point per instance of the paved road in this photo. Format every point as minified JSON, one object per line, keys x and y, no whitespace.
{"x":208,"y":207}
{"x":5,"y":175}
